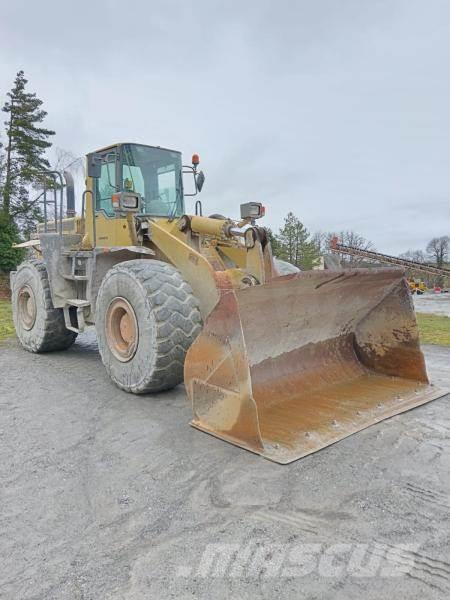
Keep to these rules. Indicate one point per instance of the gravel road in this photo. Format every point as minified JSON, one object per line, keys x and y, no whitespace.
{"x":438,"y":304}
{"x":105,"y":495}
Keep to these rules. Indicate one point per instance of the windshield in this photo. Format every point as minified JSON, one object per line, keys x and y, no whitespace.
{"x":154,"y":173}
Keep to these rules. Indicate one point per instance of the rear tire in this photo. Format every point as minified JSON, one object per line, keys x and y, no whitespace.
{"x":39,"y":326}
{"x":146,"y":319}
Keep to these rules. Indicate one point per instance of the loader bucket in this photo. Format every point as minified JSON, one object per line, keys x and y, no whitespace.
{"x":289,"y":367}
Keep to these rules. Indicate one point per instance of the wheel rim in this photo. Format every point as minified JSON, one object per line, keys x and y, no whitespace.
{"x":26,"y":307}
{"x":122,"y":331}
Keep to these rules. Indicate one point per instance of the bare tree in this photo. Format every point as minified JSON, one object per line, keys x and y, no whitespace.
{"x":63,"y":160}
{"x":2,"y":169}
{"x":415,"y":255}
{"x":438,"y":249}
{"x":418,"y":256}
{"x":322,"y":241}
{"x":355,"y":240}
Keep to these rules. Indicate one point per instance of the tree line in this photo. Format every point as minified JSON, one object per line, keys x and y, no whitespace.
{"x":295,"y":244}
{"x":437,"y":252}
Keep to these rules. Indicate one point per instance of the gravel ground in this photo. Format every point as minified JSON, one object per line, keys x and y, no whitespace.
{"x":105,"y":495}
{"x":439,"y":304}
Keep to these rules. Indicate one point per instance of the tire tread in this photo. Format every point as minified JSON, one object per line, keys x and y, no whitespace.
{"x":177,"y":316}
{"x":55,"y":334}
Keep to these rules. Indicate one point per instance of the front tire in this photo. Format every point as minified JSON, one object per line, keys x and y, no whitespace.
{"x":39,"y":326}
{"x":146,"y":319}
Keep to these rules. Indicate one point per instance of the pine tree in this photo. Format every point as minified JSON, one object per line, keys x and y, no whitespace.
{"x":9,"y":257}
{"x":273,"y":242}
{"x":295,"y":244}
{"x":24,"y":152}
{"x":2,"y":170}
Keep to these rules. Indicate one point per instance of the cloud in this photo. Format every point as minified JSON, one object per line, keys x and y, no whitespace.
{"x":337,"y":111}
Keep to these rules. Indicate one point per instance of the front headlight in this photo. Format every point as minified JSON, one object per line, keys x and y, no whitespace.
{"x":130,"y":201}
{"x":126,"y":201}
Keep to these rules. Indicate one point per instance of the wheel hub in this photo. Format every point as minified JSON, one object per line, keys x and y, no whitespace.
{"x":26,"y":307}
{"x":122,"y":331}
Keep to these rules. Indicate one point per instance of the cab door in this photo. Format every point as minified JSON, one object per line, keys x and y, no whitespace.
{"x":111,"y":229}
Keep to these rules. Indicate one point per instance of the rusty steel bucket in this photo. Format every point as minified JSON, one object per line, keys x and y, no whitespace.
{"x":289,"y":367}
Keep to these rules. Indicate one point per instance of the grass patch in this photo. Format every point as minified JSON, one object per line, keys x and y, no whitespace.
{"x":434,"y":329}
{"x":6,"y":322}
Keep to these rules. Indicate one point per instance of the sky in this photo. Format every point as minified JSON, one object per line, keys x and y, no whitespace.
{"x":336,"y":110}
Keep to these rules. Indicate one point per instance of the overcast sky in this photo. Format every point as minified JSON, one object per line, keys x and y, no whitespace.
{"x":336,"y":110}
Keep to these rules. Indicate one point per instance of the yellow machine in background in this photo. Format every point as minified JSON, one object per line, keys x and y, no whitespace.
{"x":417,"y":286}
{"x":280,"y":365}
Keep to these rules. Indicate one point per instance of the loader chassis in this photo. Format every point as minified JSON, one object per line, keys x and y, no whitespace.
{"x":281,"y":365}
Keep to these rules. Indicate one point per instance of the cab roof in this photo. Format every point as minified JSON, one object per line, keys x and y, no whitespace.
{"x":118,"y":144}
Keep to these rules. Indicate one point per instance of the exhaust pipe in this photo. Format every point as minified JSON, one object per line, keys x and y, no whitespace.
{"x":70,"y":194}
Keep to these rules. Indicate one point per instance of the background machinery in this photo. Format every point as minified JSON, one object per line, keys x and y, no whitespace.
{"x":405,"y":263}
{"x":417,"y":286}
{"x":279,"y":365}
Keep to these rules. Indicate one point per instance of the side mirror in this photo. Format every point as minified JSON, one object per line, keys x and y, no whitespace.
{"x":199,"y":181}
{"x":94,"y":165}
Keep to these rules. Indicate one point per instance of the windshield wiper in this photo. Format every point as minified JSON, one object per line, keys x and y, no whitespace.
{"x":175,"y":206}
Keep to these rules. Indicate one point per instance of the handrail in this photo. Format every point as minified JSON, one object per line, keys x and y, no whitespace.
{"x":94,"y":228}
{"x":55,"y":175}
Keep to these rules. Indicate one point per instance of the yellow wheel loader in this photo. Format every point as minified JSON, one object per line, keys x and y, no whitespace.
{"x":279,"y":364}
{"x":417,"y":286}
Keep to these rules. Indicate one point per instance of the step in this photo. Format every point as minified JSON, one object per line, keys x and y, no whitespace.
{"x":77,"y":302}
{"x":76,"y":277}
{"x":80,"y":306}
{"x":78,"y":253}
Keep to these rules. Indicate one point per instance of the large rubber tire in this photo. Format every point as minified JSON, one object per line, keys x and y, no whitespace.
{"x":42,"y":328}
{"x":167,"y":317}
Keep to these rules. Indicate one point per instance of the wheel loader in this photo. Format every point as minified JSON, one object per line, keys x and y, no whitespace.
{"x":279,"y":364}
{"x":417,"y":286}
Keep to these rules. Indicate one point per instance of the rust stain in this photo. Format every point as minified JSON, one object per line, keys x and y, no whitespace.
{"x":289,"y":367}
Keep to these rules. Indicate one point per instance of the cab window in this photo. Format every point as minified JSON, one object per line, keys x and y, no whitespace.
{"x":155,"y":173}
{"x":105,"y":186}
{"x":133,"y":179}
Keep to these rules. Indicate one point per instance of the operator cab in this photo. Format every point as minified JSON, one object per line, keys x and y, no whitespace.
{"x":153,"y":174}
